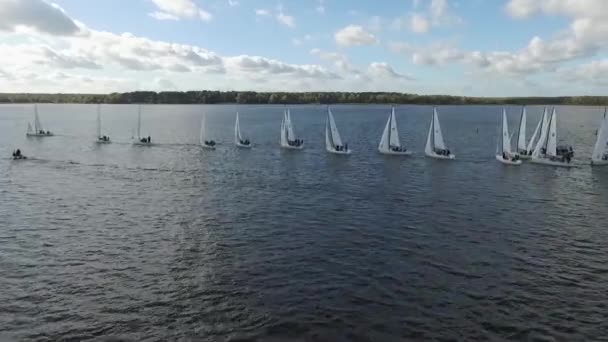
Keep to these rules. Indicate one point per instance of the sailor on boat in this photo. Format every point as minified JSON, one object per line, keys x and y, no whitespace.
{"x":104,"y":138}
{"x":209,"y":142}
{"x":442,"y":152}
{"x":398,"y":149}
{"x":244,"y":142}
{"x":297,"y":142}
{"x":17,"y":155}
{"x":342,"y":148}
{"x":146,"y":140}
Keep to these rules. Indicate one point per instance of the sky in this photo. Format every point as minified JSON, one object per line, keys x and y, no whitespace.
{"x":455,"y":47}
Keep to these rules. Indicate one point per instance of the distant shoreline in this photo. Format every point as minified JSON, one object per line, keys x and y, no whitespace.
{"x":292,"y":98}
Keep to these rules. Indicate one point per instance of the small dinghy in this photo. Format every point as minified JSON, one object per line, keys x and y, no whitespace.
{"x":547,"y":151}
{"x":238,"y":139}
{"x":37,"y":130}
{"x":139,"y":140}
{"x":288,"y":137}
{"x":435,"y":146}
{"x":600,"y":150}
{"x":17,"y":155}
{"x":333,"y":141}
{"x":101,"y":139}
{"x":389,"y":143}
{"x":504,"y":154}
{"x":204,"y":139}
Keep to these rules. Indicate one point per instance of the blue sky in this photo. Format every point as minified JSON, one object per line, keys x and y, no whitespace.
{"x":457,"y":47}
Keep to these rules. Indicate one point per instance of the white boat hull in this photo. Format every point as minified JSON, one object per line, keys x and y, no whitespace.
{"x":19,"y":158}
{"x":545,"y":161}
{"x":395,"y":153}
{"x":208,"y":147}
{"x":524,"y":156}
{"x":103,"y":141}
{"x":599,"y":162}
{"x":508,"y":162}
{"x":340,"y":152}
{"x":288,"y":147}
{"x":140,"y":143}
{"x":39,"y":135}
{"x":440,"y":156}
{"x":239,"y":145}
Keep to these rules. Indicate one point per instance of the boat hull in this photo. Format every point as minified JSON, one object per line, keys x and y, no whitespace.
{"x":395,"y":153}
{"x":288,"y":147}
{"x":440,"y":156}
{"x":526,"y":157}
{"x":20,"y":158}
{"x":339,"y":152}
{"x":140,"y":143}
{"x":207,"y":147}
{"x":103,"y":142}
{"x":599,"y":162}
{"x":239,"y":145}
{"x":508,"y":162}
{"x":39,"y":135}
{"x":545,"y":161}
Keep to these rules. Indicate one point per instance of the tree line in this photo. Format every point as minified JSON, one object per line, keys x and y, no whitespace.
{"x":251,"y":97}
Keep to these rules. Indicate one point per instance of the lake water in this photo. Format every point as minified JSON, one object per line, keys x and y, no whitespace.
{"x":173,"y":242}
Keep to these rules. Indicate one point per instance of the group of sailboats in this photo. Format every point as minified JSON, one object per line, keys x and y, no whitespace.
{"x":545,"y":151}
{"x":542,"y":147}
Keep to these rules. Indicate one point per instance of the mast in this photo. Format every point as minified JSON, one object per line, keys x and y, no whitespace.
{"x":433,"y":129}
{"x":548,"y":129}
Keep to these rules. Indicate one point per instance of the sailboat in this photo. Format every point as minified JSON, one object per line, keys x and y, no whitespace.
{"x":537,"y":130}
{"x":238,"y":139}
{"x":504,"y":155}
{"x":101,"y":139}
{"x":146,"y":141}
{"x":522,"y":147}
{"x":389,"y":143}
{"x":435,"y":146}
{"x":204,"y":140}
{"x":288,"y":136}
{"x":600,"y":150}
{"x":546,"y":150}
{"x":37,"y":131}
{"x":333,"y":141}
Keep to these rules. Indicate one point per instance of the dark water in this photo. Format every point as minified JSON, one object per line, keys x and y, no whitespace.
{"x":175,"y":243}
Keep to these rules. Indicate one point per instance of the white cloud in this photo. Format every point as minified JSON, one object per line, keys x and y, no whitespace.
{"x":419,"y":24}
{"x":436,"y":14}
{"x":256,"y":65}
{"x":595,"y":72}
{"x":163,"y":84}
{"x":162,"y":16}
{"x":233,"y":3}
{"x":180,"y":9}
{"x":354,"y":35}
{"x":385,"y":71}
{"x":262,"y":12}
{"x":38,"y":15}
{"x":286,"y":20}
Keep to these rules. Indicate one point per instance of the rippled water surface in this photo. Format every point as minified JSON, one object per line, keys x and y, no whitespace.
{"x":171,"y":242}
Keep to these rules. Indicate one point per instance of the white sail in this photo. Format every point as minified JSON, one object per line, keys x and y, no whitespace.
{"x":237,"y":130}
{"x":29,"y":128}
{"x":139,"y":123}
{"x":534,"y":135}
{"x":394,"y":133}
{"x":428,"y":149}
{"x":552,"y":138}
{"x":37,"y":124}
{"x":506,"y":139}
{"x":384,"y":141}
{"x":601,"y":144}
{"x":328,"y":143}
{"x":284,"y":141}
{"x":290,"y":131}
{"x":521,"y":133}
{"x":437,"y":135}
{"x":543,"y":135}
{"x":335,"y":135}
{"x":98,"y":122}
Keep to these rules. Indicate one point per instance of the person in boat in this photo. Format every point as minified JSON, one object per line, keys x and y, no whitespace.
{"x":48,"y":132}
{"x":149,"y":139}
{"x":143,"y":140}
{"x":605,"y":156}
